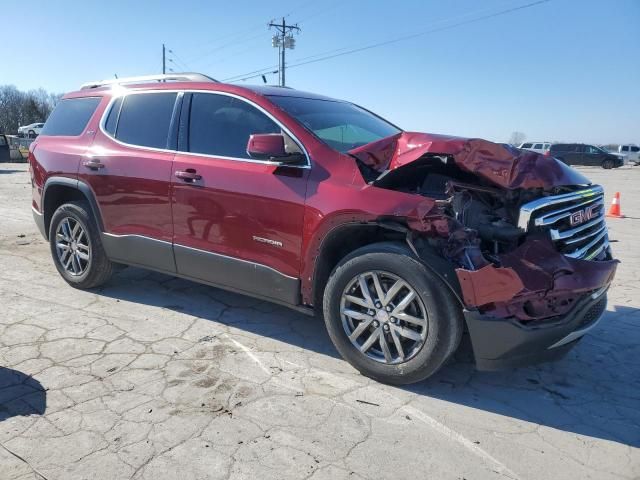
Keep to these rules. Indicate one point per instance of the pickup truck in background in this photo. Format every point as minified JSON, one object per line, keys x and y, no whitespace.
{"x":629,"y":153}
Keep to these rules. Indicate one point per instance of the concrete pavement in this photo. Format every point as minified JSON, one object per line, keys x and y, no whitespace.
{"x":155,"y":377}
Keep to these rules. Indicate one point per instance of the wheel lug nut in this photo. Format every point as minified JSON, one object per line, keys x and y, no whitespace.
{"x":371,"y":312}
{"x":388,"y":308}
{"x":393,"y":320}
{"x":386,"y":327}
{"x":376,"y":324}
{"x":378,"y":305}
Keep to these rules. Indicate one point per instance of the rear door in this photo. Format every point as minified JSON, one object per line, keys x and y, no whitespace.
{"x":237,"y":221}
{"x":593,"y":156}
{"x":128,"y":167}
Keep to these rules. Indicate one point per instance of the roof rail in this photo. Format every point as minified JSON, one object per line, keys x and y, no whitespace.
{"x":173,"y":77}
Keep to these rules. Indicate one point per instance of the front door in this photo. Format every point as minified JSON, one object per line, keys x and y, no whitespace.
{"x":237,"y":221}
{"x":128,"y":167}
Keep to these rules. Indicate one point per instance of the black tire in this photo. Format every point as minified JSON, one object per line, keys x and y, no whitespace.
{"x":607,"y":164}
{"x":98,"y":267}
{"x":443,"y":312}
{"x":32,"y":133}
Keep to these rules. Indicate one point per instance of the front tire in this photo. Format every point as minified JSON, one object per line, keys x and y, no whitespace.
{"x":607,"y":164}
{"x":76,"y":246}
{"x":389,"y":316}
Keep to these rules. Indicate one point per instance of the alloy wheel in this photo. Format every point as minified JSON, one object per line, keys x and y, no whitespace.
{"x":383,"y":317}
{"x":73,"y":246}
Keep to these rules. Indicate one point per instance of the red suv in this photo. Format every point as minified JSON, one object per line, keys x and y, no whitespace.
{"x":400,"y":240}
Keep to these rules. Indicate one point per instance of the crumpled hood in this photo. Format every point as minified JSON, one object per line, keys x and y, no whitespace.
{"x":503,"y":166}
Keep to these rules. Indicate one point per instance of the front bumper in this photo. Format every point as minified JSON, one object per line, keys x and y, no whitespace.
{"x":507,"y":343}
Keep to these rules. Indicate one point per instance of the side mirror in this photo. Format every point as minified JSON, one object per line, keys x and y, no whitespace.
{"x":270,"y":146}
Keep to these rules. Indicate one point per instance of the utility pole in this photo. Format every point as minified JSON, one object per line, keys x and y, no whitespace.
{"x":283,"y":40}
{"x":164,"y":61}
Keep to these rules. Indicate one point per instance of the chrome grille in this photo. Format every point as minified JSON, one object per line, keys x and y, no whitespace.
{"x":575,"y":221}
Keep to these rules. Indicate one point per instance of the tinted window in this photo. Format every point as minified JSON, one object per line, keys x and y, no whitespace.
{"x":625,"y":149}
{"x":221,"y":125}
{"x":559,"y":147}
{"x":538,"y":146}
{"x":145,"y":118}
{"x":526,"y":145}
{"x":112,"y":119}
{"x":70,"y":117}
{"x":635,"y":149}
{"x":341,"y":125}
{"x":3,"y":141}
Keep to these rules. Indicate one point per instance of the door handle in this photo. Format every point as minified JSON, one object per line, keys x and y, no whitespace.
{"x":188,"y":175}
{"x":93,"y":164}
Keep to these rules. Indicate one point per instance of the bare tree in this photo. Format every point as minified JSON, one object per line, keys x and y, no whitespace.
{"x":22,"y":108}
{"x":517,"y":138}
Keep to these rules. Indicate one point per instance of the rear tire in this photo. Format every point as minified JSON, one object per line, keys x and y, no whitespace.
{"x":76,"y":246}
{"x":32,"y":134}
{"x":607,"y":164}
{"x":429,"y":328}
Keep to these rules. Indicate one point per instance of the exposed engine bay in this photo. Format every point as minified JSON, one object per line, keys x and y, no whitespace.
{"x":475,"y":192}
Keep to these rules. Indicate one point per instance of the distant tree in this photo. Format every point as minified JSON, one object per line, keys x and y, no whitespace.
{"x":517,"y":138}
{"x":22,"y":108}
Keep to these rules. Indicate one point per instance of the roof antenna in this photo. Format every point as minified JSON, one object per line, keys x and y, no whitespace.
{"x":115,"y":75}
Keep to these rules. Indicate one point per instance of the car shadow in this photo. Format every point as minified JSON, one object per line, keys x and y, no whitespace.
{"x":20,"y":395}
{"x":594,"y":391}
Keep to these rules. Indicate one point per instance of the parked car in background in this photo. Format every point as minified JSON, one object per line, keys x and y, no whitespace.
{"x":5,"y":154}
{"x":30,"y":130}
{"x":320,"y":205}
{"x":539,"y":147}
{"x":629,"y":153}
{"x":581,"y":154}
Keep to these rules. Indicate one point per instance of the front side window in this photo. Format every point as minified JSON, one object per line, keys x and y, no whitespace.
{"x":538,"y":146}
{"x":526,"y":145}
{"x":145,"y":118}
{"x":221,"y":125}
{"x":3,"y":141}
{"x":341,"y":125}
{"x":70,"y":117}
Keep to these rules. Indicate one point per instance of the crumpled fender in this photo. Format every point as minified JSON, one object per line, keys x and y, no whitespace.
{"x":503,"y":166}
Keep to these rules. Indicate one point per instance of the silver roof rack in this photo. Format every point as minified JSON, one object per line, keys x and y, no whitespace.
{"x":173,"y":77}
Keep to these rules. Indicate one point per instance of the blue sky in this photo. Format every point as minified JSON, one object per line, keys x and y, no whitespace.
{"x":564,"y":70}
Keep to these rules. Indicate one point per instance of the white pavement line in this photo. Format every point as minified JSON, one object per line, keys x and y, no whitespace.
{"x":462,"y":440}
{"x":250,"y":354}
{"x":34,"y":469}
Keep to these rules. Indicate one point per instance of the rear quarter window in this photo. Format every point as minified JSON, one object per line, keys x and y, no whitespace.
{"x":145,"y":119}
{"x":70,"y":117}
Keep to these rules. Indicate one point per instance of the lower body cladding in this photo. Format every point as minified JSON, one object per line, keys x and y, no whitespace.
{"x":501,"y":344}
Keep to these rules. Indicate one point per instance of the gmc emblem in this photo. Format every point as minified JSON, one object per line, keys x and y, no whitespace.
{"x":583,"y":215}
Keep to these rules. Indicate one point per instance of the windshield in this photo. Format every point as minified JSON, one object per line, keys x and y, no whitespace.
{"x":341,"y":125}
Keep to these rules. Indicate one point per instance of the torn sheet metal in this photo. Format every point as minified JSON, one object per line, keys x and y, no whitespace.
{"x":534,"y":281}
{"x":503,"y":166}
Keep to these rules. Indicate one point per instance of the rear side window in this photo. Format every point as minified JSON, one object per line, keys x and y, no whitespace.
{"x":221,"y":125}
{"x":635,"y":149}
{"x":538,"y":146}
{"x":625,"y":149}
{"x":145,"y":118}
{"x":70,"y":117}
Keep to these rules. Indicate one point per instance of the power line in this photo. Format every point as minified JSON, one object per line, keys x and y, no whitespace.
{"x":405,"y":37}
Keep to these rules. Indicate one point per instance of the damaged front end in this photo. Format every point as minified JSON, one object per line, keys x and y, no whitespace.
{"x":526,"y":236}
